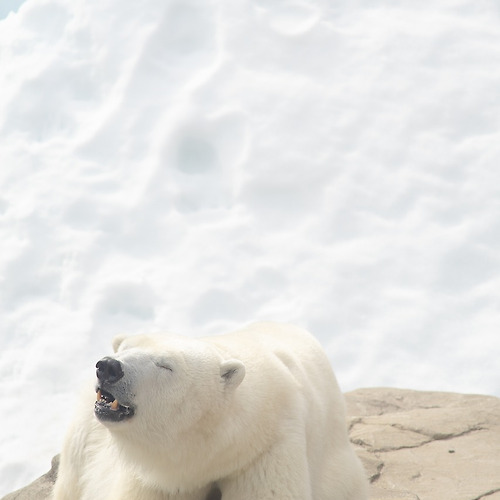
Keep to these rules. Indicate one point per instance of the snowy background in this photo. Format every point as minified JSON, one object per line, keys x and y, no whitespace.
{"x":194,"y":165}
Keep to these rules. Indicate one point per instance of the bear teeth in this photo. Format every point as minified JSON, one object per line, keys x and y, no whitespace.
{"x":106,"y":400}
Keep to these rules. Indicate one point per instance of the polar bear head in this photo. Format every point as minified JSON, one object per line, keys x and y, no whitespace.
{"x":160,"y":386}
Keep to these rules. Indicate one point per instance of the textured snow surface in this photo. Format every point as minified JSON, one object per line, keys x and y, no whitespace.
{"x":194,"y":165}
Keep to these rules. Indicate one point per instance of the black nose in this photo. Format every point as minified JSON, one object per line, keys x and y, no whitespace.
{"x":109,"y":370}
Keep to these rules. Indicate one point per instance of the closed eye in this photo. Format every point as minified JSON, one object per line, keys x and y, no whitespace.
{"x":165,"y":366}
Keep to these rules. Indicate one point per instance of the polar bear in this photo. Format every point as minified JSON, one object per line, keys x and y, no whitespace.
{"x":252,"y":415}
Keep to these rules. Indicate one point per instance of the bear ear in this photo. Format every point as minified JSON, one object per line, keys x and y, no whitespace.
{"x":232,"y":372}
{"x":117,"y":342}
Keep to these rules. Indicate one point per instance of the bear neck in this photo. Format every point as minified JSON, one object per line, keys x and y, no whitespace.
{"x":174,"y":463}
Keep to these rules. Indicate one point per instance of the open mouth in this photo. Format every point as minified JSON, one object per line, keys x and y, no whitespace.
{"x":107,"y":408}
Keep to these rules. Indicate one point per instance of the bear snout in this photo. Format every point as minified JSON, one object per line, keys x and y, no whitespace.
{"x":109,"y":370}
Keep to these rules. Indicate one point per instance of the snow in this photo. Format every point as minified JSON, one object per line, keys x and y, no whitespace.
{"x":194,"y":165}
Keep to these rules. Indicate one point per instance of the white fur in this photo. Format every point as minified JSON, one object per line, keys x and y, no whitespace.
{"x":257,"y":412}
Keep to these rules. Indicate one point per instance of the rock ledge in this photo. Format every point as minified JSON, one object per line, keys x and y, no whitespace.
{"x":414,"y":445}
{"x":427,"y":445}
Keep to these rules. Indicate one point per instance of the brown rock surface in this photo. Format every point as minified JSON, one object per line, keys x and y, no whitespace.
{"x":427,"y":445}
{"x":414,"y":445}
